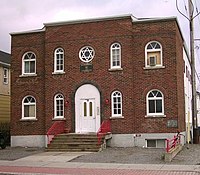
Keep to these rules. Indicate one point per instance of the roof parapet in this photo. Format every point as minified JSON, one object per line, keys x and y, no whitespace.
{"x":90,"y":20}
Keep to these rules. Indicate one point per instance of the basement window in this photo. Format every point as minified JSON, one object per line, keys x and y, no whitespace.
{"x":155,"y":143}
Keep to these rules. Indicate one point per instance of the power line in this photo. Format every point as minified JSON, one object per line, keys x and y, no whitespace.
{"x":180,"y":11}
{"x":196,"y":6}
{"x":185,"y":7}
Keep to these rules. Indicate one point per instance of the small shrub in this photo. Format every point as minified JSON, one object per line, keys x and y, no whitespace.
{"x":5,"y":130}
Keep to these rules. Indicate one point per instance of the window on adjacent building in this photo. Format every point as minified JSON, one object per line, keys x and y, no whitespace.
{"x":59,"y":60}
{"x":29,"y":63}
{"x":5,"y":76}
{"x":153,"y":54}
{"x":116,"y":104}
{"x":29,"y":108}
{"x":59,"y":106}
{"x":115,"y":56}
{"x":155,"y":103}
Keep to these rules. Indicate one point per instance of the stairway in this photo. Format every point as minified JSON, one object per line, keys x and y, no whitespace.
{"x":73,"y":142}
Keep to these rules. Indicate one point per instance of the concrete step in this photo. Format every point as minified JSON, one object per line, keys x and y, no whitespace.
{"x":71,"y":150}
{"x":74,"y":142}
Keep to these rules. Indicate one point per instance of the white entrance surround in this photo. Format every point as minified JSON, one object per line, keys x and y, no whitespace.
{"x":87,"y":109}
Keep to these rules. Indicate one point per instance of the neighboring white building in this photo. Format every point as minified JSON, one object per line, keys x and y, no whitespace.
{"x":198,"y":109}
{"x":188,"y":96}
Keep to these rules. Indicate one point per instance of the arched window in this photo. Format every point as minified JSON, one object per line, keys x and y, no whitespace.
{"x":29,"y":108}
{"x":155,"y":103}
{"x":59,"y":60}
{"x":153,"y":54}
{"x":115,"y":56}
{"x":29,"y":63}
{"x":59,"y":106}
{"x":116,"y":104}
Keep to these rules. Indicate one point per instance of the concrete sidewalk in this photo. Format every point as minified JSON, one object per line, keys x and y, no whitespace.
{"x":49,"y":162}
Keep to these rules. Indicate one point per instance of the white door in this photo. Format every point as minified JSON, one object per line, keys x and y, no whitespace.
{"x":87,"y":115}
{"x":87,"y":109}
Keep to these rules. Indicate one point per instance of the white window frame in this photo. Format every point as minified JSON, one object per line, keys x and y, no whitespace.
{"x":116,"y":94}
{"x":152,"y":50}
{"x":28,"y":104}
{"x":154,"y":98}
{"x":28,"y":60}
{"x":156,"y":142}
{"x":58,"y":97}
{"x":5,"y":75}
{"x":58,"y":53}
{"x":115,"y":47}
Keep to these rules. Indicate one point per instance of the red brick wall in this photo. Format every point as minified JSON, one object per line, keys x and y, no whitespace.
{"x":165,"y":80}
{"x":180,"y":81}
{"x":133,"y":81}
{"x":22,"y":86}
{"x":99,"y":35}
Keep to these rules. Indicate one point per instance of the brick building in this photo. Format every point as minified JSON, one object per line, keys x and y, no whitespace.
{"x":125,"y":69}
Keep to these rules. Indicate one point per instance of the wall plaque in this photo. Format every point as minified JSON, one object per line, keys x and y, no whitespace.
{"x":172,"y":123}
{"x":86,"y":68}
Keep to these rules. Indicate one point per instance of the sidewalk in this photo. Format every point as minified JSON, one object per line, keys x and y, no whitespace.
{"x":58,"y":163}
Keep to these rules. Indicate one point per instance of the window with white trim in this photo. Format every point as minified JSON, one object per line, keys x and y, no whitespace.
{"x":29,"y":63}
{"x":29,"y":108}
{"x":153,"y":54}
{"x":5,"y":76}
{"x":155,"y":103}
{"x":155,"y":143}
{"x":59,"y":60}
{"x":115,"y":56}
{"x":59,"y":106}
{"x":116,"y":104}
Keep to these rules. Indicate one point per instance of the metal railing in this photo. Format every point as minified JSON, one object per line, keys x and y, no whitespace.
{"x":58,"y":127}
{"x":103,"y":130}
{"x":172,"y":143}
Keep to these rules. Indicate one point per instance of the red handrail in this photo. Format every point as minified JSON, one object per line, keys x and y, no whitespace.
{"x":58,"y":127}
{"x":103,"y":130}
{"x":172,"y":143}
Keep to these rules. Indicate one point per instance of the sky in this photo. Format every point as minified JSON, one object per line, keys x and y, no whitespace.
{"x":25,"y":15}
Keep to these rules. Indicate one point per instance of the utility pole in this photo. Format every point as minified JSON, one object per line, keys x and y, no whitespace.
{"x":194,"y":95}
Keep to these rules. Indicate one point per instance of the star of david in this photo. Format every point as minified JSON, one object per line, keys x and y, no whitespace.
{"x":87,"y":54}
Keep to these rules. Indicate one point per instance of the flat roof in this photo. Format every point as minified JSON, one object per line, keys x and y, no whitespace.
{"x":134,"y":20}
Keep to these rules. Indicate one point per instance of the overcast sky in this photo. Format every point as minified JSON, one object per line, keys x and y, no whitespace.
{"x":23,"y":15}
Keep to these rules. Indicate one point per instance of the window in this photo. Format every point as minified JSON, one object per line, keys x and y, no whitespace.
{"x":59,"y":106}
{"x":59,"y":60}
{"x":116,"y":104}
{"x":155,"y":143}
{"x":115,"y":56}
{"x":153,"y":54}
{"x":155,"y":103}
{"x":29,"y":108}
{"x":86,"y":54}
{"x":5,"y":76}
{"x":88,"y":106}
{"x":29,"y":63}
